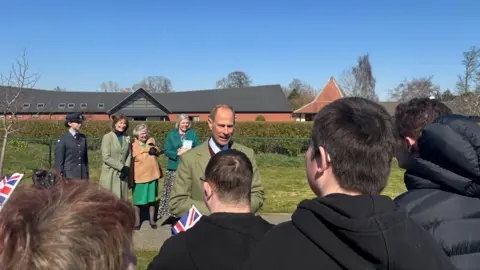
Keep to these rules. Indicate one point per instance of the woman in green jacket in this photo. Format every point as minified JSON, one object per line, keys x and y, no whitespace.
{"x":178,"y":141}
{"x":116,"y":156}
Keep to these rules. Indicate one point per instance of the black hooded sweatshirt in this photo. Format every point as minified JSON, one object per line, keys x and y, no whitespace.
{"x":218,"y":241}
{"x":348,"y":232}
{"x":443,"y":187}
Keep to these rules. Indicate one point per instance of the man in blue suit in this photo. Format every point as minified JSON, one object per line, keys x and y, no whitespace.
{"x":71,"y":159}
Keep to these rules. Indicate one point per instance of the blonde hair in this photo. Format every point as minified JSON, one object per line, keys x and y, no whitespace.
{"x":180,"y":118}
{"x":75,"y":225}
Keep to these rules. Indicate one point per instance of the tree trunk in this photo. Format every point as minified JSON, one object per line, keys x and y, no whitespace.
{"x":2,"y":154}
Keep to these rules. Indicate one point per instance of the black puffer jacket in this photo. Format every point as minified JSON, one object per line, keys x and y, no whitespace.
{"x":444,"y":187}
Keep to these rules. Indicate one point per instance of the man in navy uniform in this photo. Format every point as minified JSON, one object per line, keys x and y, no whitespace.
{"x":71,"y":159}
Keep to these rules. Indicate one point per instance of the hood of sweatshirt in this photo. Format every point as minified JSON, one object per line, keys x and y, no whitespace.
{"x":352,"y":230}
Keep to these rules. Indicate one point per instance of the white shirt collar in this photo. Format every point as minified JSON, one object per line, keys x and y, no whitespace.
{"x":72,"y":132}
{"x":213,"y":145}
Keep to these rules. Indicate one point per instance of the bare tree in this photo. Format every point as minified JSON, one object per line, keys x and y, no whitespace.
{"x":236,"y":79}
{"x":467,"y":104}
{"x":416,"y":88}
{"x":299,"y":93}
{"x":447,"y":95}
{"x":155,"y":84}
{"x":364,"y":80}
{"x":347,"y":82}
{"x":110,"y":86}
{"x":471,"y":74}
{"x":19,"y":78}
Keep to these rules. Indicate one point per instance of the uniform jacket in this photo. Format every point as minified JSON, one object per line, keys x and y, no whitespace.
{"x":443,"y":185}
{"x":173,"y":142}
{"x":188,"y":188}
{"x":146,"y":166}
{"x":115,"y":157}
{"x":71,"y":158}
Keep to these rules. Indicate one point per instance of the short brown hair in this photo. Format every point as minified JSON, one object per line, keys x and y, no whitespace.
{"x":359,"y":137}
{"x":412,"y":116}
{"x":213,"y":112}
{"x":76,"y":225}
{"x":230,"y":172}
{"x":116,"y":119}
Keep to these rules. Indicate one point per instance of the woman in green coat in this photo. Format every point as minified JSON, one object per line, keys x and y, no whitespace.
{"x":116,"y":156}
{"x":178,"y":141}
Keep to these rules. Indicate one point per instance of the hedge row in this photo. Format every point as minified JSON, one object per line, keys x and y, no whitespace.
{"x":264,"y":137}
{"x":97,"y":128}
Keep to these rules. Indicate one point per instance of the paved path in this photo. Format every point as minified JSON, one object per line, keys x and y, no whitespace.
{"x":148,"y":239}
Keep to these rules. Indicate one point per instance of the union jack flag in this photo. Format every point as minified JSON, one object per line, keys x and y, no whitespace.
{"x":7,"y":185}
{"x":187,"y":221}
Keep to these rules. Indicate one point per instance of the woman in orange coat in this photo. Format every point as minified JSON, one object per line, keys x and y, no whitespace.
{"x":147,"y":171}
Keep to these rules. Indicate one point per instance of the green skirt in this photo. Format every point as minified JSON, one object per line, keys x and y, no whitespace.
{"x":145,"y":193}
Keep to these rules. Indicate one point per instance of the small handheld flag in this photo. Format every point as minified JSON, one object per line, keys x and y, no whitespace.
{"x":187,"y":221}
{"x":7,"y":186}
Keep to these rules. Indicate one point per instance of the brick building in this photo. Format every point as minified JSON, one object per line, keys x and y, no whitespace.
{"x":330,"y":92}
{"x":268,"y":101}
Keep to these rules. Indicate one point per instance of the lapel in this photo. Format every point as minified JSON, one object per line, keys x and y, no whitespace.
{"x":116,"y":142}
{"x":203,"y":156}
{"x":189,"y":135}
{"x":177,"y":138}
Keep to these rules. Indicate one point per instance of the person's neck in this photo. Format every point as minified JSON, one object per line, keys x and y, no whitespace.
{"x":225,"y":208}
{"x":181,"y":131}
{"x":73,"y":130}
{"x":336,"y":189}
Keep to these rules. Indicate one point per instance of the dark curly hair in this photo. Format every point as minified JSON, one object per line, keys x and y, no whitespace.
{"x":412,"y":116}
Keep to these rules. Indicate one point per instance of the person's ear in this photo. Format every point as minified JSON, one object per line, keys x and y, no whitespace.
{"x":323,"y":161}
{"x":207,"y":190}
{"x":410,"y":141}
{"x":210,"y":123}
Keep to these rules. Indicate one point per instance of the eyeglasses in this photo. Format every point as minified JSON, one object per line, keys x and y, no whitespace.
{"x":202,"y":178}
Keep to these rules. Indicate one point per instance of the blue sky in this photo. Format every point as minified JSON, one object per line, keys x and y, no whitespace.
{"x":78,"y":44}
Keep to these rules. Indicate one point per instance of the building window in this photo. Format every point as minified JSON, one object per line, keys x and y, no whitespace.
{"x":40,"y":105}
{"x":101,"y":105}
{"x":2,"y":116}
{"x":19,"y":115}
{"x":83,"y":105}
{"x":61,"y":106}
{"x":26,"y":105}
{"x":35,"y":116}
{"x":71,"y":105}
{"x":196,"y":118}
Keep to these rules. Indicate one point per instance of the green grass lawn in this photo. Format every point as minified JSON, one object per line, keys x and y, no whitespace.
{"x":283,"y":178}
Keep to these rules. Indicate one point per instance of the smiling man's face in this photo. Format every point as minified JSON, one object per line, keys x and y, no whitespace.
{"x":222,"y":126}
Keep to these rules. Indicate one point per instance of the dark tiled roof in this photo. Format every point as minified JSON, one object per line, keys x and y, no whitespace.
{"x":267,"y":98}
{"x":52,"y":100}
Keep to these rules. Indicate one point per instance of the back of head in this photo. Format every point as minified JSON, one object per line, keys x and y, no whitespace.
{"x":412,"y":116}
{"x":76,"y":225}
{"x":359,"y":137}
{"x":230,"y":173}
